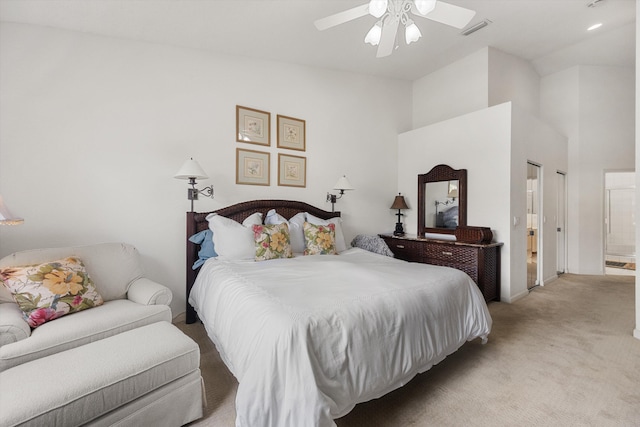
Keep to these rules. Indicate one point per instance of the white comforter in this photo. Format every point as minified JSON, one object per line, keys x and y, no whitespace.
{"x":311,"y":336}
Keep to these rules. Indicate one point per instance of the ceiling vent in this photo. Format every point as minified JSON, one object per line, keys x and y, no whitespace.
{"x":480,"y":25}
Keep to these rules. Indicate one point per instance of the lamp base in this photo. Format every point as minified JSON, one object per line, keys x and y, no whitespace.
{"x":399,"y":231}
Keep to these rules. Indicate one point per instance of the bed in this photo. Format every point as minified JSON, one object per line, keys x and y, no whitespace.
{"x":309,"y":337}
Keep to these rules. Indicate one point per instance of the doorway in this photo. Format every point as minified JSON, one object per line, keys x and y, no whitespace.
{"x":533,"y":222}
{"x":619,"y":219}
{"x":561,"y":223}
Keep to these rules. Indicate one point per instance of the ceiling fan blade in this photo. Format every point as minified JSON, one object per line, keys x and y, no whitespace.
{"x":342,"y":17}
{"x":388,"y":37}
{"x":448,"y":14}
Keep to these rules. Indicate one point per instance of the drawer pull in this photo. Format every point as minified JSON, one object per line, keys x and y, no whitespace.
{"x":447,"y":253}
{"x":400,"y":246}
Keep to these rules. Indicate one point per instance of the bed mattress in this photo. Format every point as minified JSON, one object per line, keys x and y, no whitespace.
{"x":311,"y":336}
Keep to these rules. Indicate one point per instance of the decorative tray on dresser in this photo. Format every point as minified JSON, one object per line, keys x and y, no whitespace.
{"x":481,"y":261}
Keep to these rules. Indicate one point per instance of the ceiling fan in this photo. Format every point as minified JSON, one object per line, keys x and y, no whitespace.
{"x":391,"y":13}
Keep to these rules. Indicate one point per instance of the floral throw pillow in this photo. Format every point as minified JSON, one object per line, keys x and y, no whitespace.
{"x":320,"y":239}
{"x":272,"y":241}
{"x":50,"y":290}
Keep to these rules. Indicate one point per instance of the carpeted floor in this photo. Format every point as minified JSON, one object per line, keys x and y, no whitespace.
{"x":562,"y":356}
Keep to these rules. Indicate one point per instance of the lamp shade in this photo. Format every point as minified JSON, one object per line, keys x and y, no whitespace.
{"x":453,"y":190}
{"x":377,"y":8}
{"x":374,"y":34}
{"x":425,"y":6}
{"x":6,"y":217}
{"x":343,"y":184}
{"x":399,"y":203}
{"x":412,"y":32}
{"x":191,"y":169}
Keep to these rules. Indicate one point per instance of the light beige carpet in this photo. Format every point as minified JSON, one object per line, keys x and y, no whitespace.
{"x":562,"y":356}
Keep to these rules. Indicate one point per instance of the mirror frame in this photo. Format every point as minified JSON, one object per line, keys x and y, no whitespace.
{"x":437,"y":174}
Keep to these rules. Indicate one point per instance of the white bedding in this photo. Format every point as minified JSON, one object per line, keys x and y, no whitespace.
{"x":309,"y":337}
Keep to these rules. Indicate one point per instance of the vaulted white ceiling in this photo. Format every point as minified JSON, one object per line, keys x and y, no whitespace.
{"x":552,"y":34}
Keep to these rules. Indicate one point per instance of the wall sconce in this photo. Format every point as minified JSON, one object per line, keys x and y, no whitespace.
{"x":452,"y":194}
{"x":452,"y":191}
{"x":343,"y":184}
{"x":399,"y":203}
{"x":191,"y":170}
{"x":6,"y":217}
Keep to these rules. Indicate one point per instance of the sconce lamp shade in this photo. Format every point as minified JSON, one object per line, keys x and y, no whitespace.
{"x":453,"y":190}
{"x":6,"y":217}
{"x":343,"y":184}
{"x":399,"y":203}
{"x":191,"y":169}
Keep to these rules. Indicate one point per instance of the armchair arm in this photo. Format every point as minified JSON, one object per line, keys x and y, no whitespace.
{"x":147,"y":292}
{"x":13,"y":327}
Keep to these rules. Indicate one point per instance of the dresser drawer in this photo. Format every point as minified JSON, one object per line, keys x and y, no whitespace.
{"x":405,"y":249}
{"x":470,"y":269}
{"x":480,"y":261}
{"x":450,"y":253}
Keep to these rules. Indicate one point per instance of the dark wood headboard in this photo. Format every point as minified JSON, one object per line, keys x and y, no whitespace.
{"x":196,"y":222}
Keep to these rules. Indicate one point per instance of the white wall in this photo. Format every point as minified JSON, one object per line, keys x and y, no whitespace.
{"x":535,"y":141}
{"x":480,"y":143}
{"x":452,"y":91}
{"x":636,"y":332}
{"x":513,"y":79}
{"x":483,"y":79}
{"x":494,"y":145}
{"x":93,"y":129}
{"x":594,"y":107}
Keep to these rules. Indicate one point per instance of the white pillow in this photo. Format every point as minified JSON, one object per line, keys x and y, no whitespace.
{"x":340,"y":242}
{"x":231,"y":239}
{"x":296,"y":233}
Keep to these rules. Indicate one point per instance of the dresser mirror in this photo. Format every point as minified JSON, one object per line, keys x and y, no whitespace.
{"x":442,"y":200}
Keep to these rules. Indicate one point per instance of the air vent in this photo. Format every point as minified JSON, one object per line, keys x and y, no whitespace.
{"x":480,"y":25}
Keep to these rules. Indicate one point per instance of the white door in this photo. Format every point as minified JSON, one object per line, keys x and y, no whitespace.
{"x":561,"y":223}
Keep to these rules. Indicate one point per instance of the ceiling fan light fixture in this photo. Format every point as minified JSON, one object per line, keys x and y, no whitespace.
{"x":374,"y":34}
{"x":377,"y":8}
{"x":411,"y":32}
{"x":424,"y":6}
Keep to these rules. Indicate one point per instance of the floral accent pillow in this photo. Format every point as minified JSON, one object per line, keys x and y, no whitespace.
{"x":320,"y":239}
{"x":50,"y":290}
{"x":272,"y":241}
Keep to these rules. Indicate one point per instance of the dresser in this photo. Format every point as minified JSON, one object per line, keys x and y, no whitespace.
{"x":480,"y":261}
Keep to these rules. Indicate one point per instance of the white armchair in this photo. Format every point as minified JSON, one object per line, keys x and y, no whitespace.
{"x":130,"y":301}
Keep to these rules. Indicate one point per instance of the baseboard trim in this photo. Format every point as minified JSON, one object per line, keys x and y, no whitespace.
{"x":516,"y":297}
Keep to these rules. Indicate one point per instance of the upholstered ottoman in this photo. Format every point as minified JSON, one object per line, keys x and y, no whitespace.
{"x":148,"y":376}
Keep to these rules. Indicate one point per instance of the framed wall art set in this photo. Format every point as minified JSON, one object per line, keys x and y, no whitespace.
{"x":253,"y":166}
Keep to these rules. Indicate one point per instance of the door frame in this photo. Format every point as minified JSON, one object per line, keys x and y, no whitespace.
{"x":605,"y":214}
{"x":561,"y":222}
{"x":539,"y":223}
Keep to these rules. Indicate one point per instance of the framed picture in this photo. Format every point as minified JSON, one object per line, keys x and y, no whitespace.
{"x":292,"y":171}
{"x":252,"y":167}
{"x":291,"y":133}
{"x":253,"y":126}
